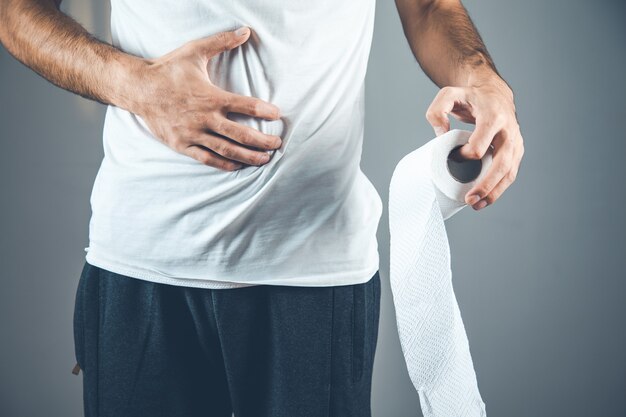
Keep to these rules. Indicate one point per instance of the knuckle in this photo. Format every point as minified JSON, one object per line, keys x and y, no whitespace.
{"x":506,"y":159}
{"x":227,"y":151}
{"x":490,"y":121}
{"x":250,"y":139}
{"x":498,"y":117}
{"x":433,"y":115}
{"x":511,"y":176}
{"x":196,"y":119}
{"x":222,"y":37}
{"x":274,"y":142}
{"x":446,"y":91}
{"x":481,"y":192}
{"x":219,"y":147}
{"x":178,"y":143}
{"x":264,"y":142}
{"x":261,"y":158}
{"x":175,"y":144}
{"x":245,"y":138}
{"x":218,"y":100}
{"x":474,"y":153}
{"x":230,"y":166}
{"x":218,"y":126}
{"x":204,"y":158}
{"x":255,"y":159}
{"x":502,"y":169}
{"x":188,"y":135}
{"x":179,"y":147}
{"x":509,"y":136}
{"x":491,"y":198}
{"x":253,"y":108}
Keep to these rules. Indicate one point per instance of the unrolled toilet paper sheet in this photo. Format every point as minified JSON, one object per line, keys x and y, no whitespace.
{"x":422,"y":194}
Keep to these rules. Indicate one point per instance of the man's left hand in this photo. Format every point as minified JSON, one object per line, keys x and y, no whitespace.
{"x":488,"y":103}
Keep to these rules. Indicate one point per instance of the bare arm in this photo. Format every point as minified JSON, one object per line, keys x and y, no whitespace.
{"x":189,"y":116}
{"x":449,"y":49}
{"x":444,"y":40}
{"x":63,"y":52}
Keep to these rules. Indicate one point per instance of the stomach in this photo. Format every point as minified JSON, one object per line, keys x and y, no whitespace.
{"x":168,"y":210}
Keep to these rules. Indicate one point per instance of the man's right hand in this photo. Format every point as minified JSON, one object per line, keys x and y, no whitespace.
{"x":172,"y":94}
{"x":188,"y":113}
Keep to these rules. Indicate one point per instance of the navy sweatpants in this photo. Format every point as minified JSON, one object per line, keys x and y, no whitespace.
{"x":158,"y":350}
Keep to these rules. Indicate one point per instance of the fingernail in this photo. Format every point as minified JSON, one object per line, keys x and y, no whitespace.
{"x":439,"y":130}
{"x":480,"y":205}
{"x":473,"y":199}
{"x":241,"y":31}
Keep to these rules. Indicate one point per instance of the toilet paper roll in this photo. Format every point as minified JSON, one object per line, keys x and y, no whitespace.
{"x":428,"y":186}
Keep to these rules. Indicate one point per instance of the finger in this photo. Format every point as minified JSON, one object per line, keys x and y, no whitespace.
{"x":233,"y":151}
{"x":483,"y":135}
{"x":246,"y":135}
{"x":440,"y":108}
{"x":209,"y":158}
{"x":502,"y":163}
{"x":251,"y":106}
{"x":498,"y":190}
{"x":221,"y":42}
{"x":506,"y":181}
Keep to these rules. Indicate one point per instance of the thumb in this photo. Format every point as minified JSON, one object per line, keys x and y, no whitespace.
{"x":223,"y":41}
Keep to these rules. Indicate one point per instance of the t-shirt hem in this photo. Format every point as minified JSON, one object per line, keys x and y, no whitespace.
{"x":331,"y":279}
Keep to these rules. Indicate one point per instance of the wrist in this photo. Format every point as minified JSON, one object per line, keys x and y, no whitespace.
{"x":127,"y":75}
{"x":485,"y":76}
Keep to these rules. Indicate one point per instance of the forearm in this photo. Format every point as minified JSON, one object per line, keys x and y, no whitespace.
{"x":55,"y":46}
{"x":451,"y":52}
{"x":445,"y":42}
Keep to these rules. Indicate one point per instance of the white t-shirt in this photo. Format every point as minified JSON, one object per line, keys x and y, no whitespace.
{"x":308,"y":217}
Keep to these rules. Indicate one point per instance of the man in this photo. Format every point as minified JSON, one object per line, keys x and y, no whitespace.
{"x":232,"y":262}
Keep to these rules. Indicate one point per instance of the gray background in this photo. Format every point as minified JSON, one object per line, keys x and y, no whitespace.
{"x":539,"y":276}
